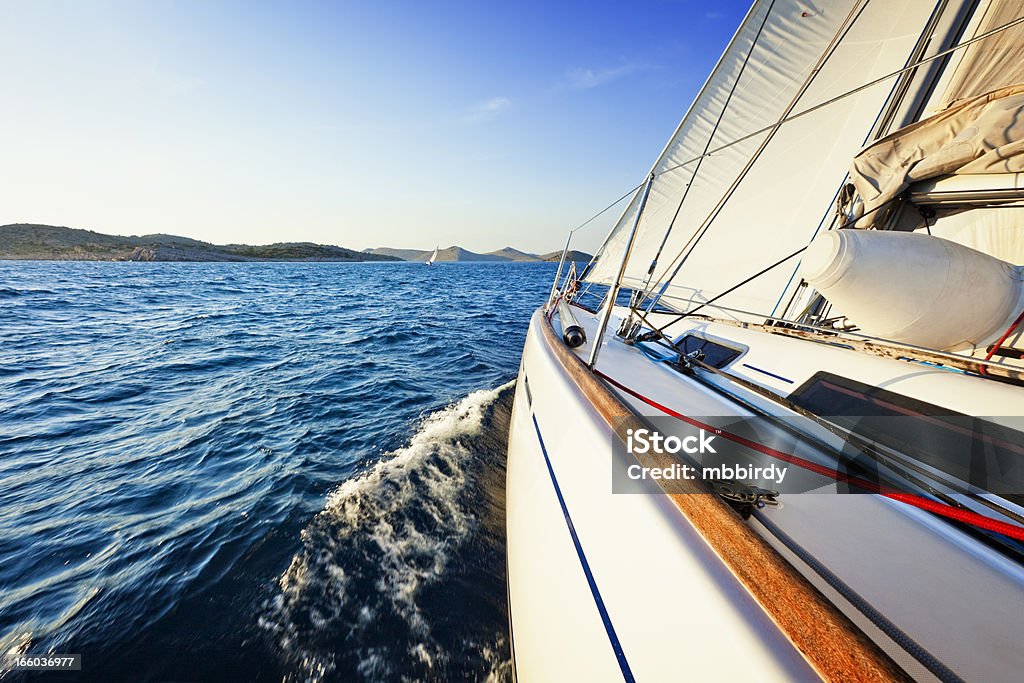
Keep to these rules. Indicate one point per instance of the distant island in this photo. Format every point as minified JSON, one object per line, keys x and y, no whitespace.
{"x":27,"y":241}
{"x":39,"y":242}
{"x":508,"y":254}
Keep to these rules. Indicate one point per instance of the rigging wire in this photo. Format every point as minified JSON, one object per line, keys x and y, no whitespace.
{"x":707,"y":145}
{"x":597,"y":215}
{"x":608,"y":208}
{"x":672,"y":137}
{"x":848,"y":93}
{"x":758,"y":274}
{"x":691,"y":244}
{"x":734,"y":287}
{"x":910,"y":67}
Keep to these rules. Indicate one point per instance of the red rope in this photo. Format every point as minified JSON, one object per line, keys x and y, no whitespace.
{"x":983,"y":369}
{"x":957,"y":514}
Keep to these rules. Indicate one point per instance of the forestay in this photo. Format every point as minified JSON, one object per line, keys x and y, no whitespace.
{"x":786,"y":57}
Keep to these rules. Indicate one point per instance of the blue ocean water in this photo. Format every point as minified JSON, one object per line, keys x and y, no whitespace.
{"x":258,"y":471}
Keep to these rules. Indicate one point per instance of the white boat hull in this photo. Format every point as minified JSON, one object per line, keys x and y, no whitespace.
{"x":618,"y":587}
{"x":654,"y":586}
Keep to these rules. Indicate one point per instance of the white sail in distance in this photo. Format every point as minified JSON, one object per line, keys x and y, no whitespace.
{"x":433,"y":257}
{"x":724,"y":214}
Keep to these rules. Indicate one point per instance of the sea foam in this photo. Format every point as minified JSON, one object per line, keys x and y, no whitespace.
{"x":392,"y":542}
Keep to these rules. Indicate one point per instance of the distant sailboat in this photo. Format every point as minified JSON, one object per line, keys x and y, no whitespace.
{"x":433,"y":257}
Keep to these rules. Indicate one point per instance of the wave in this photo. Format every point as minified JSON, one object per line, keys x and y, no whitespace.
{"x":11,"y":292}
{"x":369,"y":595}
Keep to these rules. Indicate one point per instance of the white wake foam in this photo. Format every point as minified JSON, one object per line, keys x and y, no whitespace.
{"x":353,"y":596}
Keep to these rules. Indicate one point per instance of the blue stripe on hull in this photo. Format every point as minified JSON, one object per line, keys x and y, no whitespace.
{"x":627,"y":674}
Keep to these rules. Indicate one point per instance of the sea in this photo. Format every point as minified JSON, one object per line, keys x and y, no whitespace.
{"x":258,"y":471}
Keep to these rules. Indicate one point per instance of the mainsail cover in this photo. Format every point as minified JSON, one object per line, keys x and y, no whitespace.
{"x":786,"y":57}
{"x":979,"y":135}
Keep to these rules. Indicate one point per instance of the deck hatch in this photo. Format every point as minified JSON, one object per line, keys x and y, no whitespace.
{"x":716,"y":354}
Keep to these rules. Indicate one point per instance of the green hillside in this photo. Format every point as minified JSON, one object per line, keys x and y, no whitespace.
{"x":35,"y":242}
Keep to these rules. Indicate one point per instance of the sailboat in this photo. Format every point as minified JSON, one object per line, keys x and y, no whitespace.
{"x":820,"y":274}
{"x":433,"y":257}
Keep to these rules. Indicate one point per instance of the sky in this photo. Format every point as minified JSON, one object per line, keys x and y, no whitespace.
{"x":362,"y":124}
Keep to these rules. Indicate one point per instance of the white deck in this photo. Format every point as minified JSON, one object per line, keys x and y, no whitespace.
{"x":674,"y":607}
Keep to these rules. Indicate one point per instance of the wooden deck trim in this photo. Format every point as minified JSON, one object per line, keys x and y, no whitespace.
{"x":832,"y":644}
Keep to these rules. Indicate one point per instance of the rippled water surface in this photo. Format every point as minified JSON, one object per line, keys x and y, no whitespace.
{"x":258,"y":471}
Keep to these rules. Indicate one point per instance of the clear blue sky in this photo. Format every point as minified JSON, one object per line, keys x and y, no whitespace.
{"x":363,"y":124}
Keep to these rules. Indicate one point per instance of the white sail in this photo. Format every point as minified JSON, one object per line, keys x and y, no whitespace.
{"x":787,"y":57}
{"x":993,"y":63}
{"x":433,"y":257}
